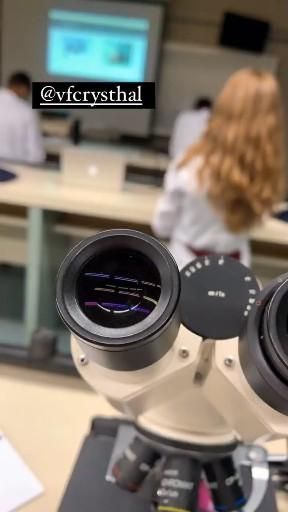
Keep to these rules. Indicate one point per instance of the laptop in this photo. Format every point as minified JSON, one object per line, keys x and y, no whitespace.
{"x":99,"y":168}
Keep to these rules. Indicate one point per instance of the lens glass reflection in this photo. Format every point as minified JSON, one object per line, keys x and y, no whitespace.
{"x":118,"y":288}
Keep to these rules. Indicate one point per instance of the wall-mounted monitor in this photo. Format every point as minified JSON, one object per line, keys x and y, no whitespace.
{"x":244,"y":33}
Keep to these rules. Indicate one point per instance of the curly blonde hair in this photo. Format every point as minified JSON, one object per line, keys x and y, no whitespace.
{"x":243,"y":150}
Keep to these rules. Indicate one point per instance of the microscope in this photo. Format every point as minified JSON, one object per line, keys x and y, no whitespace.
{"x":196,"y":361}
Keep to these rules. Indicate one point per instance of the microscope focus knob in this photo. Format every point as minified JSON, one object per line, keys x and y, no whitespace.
{"x":217,"y":295}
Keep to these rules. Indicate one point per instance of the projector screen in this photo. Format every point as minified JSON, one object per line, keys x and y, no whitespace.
{"x":108,"y":48}
{"x":83,"y":40}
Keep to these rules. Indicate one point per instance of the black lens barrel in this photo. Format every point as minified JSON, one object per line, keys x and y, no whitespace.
{"x":134,"y":466}
{"x":275,"y":331}
{"x":225,"y":484}
{"x":179,"y":484}
{"x":140,"y":338}
{"x":263,"y":347}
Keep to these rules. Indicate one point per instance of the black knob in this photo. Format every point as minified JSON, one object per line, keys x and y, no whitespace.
{"x":217,"y":295}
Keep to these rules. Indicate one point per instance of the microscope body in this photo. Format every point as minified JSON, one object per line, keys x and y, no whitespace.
{"x":197,"y":394}
{"x":197,"y":360}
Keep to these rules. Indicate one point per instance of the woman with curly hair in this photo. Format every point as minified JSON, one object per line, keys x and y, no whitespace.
{"x":225,"y":184}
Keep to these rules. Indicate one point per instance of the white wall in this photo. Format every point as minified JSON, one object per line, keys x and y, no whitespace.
{"x":198,"y":21}
{"x":189,"y":71}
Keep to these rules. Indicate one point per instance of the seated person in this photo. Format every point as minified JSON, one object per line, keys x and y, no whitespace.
{"x":20,"y":137}
{"x":189,"y":127}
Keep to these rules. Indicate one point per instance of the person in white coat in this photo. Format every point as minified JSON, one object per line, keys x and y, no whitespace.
{"x":189,"y":127}
{"x":20,"y":136}
{"x":224,"y":185}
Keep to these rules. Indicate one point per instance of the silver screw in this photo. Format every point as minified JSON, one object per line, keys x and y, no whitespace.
{"x":229,"y":362}
{"x":184,"y":353}
{"x":83,"y":361}
{"x":256,"y":455}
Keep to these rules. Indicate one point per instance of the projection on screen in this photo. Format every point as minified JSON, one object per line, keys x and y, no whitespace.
{"x":97,"y":47}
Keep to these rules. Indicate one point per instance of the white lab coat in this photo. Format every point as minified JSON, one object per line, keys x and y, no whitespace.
{"x":188,"y":128}
{"x":20,"y":137}
{"x":185,"y":216}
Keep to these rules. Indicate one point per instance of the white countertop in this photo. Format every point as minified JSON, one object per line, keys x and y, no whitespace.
{"x":46,"y":190}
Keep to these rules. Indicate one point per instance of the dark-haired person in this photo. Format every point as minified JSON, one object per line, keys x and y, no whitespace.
{"x":190,"y":126}
{"x":20,"y":137}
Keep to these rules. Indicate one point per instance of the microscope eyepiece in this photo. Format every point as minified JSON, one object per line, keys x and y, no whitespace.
{"x":118,"y":292}
{"x":263,"y":347}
